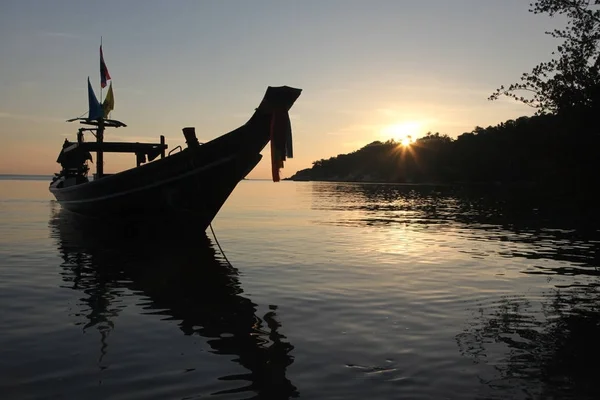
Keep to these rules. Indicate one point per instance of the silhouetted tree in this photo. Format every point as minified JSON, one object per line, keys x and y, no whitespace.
{"x":571,"y":81}
{"x":524,"y":150}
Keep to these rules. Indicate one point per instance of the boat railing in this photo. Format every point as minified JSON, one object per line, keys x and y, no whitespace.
{"x":175,"y":148}
{"x":180,"y":148}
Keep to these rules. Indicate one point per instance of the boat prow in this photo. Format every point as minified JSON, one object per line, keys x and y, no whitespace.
{"x":191,"y":182}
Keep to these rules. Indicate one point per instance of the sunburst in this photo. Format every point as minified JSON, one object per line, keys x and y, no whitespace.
{"x":403,"y":132}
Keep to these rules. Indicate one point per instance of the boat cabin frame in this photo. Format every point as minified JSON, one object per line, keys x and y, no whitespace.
{"x":144,"y":152}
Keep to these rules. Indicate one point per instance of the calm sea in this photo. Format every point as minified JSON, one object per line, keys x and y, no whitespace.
{"x":320,"y":291}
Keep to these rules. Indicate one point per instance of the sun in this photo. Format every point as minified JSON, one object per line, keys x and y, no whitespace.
{"x":403,"y":132}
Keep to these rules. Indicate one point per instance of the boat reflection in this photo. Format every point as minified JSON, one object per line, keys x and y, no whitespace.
{"x":179,"y":275}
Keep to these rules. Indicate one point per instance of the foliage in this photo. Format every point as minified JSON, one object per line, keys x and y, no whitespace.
{"x":538,"y":149}
{"x":571,"y":81}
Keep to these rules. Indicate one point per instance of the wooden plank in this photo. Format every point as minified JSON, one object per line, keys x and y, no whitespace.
{"x":119,"y":147}
{"x":112,"y":123}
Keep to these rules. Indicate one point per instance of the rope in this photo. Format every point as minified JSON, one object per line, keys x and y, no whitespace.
{"x":217,"y":242}
{"x":214,"y":236}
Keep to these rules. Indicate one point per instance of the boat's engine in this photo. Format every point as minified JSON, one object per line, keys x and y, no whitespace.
{"x":74,"y":164}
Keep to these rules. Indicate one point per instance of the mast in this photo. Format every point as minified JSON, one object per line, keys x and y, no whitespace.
{"x":96,"y":117}
{"x":104,"y":75}
{"x":100,"y":153}
{"x":101,"y":71}
{"x":100,"y":130}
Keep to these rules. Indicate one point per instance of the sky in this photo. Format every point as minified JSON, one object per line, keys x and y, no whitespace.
{"x":368,"y":70}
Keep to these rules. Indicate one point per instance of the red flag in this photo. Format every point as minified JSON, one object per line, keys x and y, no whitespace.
{"x":104,"y":75}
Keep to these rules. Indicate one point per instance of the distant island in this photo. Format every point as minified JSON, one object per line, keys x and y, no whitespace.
{"x":539,"y":149}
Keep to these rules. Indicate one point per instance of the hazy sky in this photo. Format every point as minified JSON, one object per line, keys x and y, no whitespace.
{"x":369,"y":70}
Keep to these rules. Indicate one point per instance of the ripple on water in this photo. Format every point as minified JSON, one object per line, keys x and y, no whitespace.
{"x":335,"y":291}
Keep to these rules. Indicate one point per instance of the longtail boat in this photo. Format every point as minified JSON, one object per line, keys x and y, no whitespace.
{"x":191,"y":182}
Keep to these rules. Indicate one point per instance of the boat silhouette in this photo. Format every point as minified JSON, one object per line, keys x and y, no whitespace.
{"x":183,"y":184}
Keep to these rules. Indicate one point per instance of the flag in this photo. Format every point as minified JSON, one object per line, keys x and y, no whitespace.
{"x":95,"y":110}
{"x":104,"y":75}
{"x":109,"y":101}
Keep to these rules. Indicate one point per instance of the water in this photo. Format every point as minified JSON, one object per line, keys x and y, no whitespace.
{"x":335,"y":291}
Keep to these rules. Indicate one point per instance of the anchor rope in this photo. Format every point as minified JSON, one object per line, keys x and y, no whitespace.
{"x":213,"y":232}
{"x":214,"y":235}
{"x":219,"y":245}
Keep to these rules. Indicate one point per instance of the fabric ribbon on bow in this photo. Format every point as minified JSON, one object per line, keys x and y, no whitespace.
{"x":281,"y":141}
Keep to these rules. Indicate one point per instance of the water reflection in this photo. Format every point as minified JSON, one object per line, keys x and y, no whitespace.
{"x":486,"y":204}
{"x":179,"y":275}
{"x":527,"y":345}
{"x":550,"y":353}
{"x":547,"y":227}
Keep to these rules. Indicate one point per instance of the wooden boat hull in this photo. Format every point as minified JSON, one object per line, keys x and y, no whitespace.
{"x":196,"y":194}
{"x":192,"y":184}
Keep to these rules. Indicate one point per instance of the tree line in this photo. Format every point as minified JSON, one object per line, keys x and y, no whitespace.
{"x":538,"y":149}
